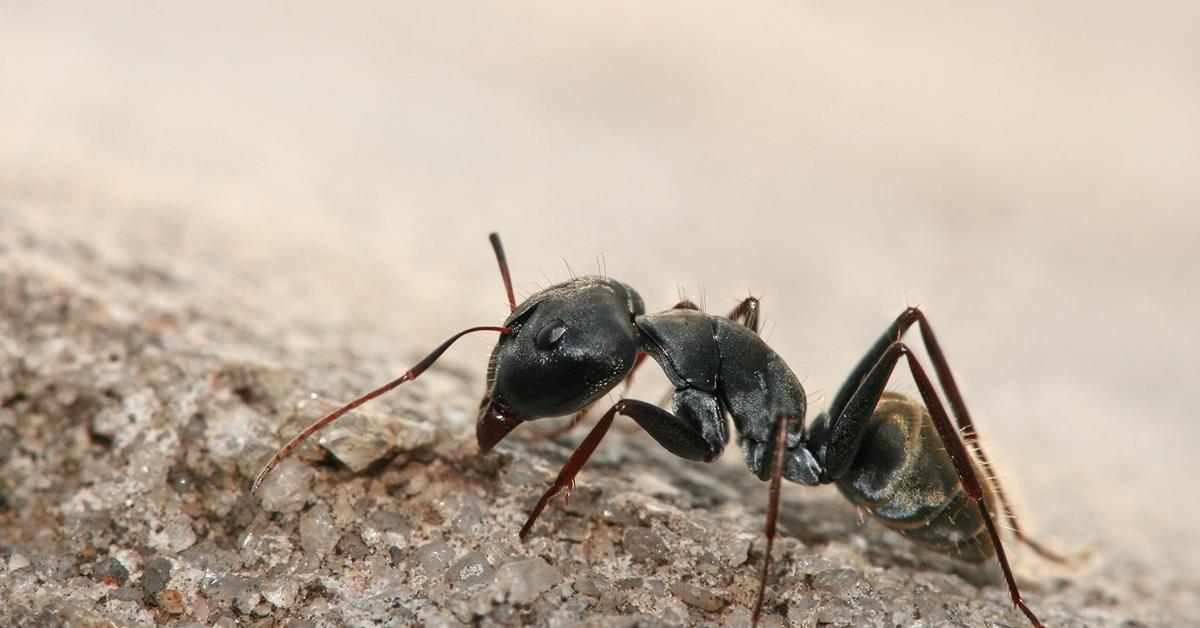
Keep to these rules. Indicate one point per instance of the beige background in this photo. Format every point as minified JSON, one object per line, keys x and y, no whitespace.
{"x":1025,"y":173}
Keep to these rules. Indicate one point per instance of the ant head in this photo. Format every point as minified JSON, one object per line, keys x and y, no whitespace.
{"x":566,"y":346}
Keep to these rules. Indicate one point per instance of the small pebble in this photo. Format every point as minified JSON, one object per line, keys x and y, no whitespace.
{"x":525,"y":580}
{"x":317,"y":532}
{"x":157,"y":575}
{"x":629,"y":583}
{"x":434,"y":557}
{"x":384,"y":529}
{"x":356,"y":447}
{"x":587,"y":586}
{"x":281,"y":592}
{"x":736,"y":551}
{"x":174,"y":537}
{"x":57,"y":568}
{"x":470,"y":515}
{"x":125,"y":594}
{"x":228,"y":586}
{"x":811,"y":564}
{"x":288,"y":488}
{"x":472,"y":569}
{"x":645,"y":546}
{"x":110,"y":570}
{"x":169,"y":601}
{"x":839,"y":582}
{"x":699,"y":597}
{"x":18,"y":562}
{"x":352,"y":548}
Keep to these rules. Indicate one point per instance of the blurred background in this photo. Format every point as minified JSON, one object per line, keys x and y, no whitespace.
{"x":1026,"y":173}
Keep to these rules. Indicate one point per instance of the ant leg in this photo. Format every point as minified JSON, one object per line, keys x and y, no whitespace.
{"x":956,"y":447}
{"x":847,"y":431}
{"x":967,"y":427}
{"x":772,"y":513}
{"x":566,"y":476}
{"x":689,"y":435}
{"x":958,"y":406}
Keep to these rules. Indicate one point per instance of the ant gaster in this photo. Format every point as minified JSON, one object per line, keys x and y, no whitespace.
{"x":902,"y":460}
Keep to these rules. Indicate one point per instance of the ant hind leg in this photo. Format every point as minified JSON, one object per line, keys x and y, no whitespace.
{"x":958,"y":409}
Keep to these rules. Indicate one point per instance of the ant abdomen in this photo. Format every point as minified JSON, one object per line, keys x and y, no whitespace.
{"x":905,"y":479}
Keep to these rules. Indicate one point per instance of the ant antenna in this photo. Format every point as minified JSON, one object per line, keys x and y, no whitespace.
{"x":412,"y":374}
{"x":503,"y":261}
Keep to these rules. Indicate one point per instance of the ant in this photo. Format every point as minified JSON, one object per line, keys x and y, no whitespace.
{"x":902,"y":460}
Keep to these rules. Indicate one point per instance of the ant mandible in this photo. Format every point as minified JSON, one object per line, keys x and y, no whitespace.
{"x":905,"y":462}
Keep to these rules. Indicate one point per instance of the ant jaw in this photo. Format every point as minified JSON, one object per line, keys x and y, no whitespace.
{"x":494,"y":424}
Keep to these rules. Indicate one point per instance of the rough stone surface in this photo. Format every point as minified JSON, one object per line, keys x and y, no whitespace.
{"x":157,"y":575}
{"x":131,"y":426}
{"x":525,"y":580}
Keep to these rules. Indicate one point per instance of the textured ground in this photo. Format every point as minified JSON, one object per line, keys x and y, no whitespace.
{"x":131,"y":428}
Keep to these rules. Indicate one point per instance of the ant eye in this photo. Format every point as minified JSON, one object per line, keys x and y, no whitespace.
{"x":551,"y":335}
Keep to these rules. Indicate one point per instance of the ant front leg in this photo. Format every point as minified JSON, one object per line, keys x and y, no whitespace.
{"x":696,"y":432}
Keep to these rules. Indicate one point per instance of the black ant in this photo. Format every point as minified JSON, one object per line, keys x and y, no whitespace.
{"x":902,"y":460}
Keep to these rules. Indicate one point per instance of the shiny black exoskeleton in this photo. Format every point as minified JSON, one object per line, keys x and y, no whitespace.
{"x":572,"y":343}
{"x":904,"y":461}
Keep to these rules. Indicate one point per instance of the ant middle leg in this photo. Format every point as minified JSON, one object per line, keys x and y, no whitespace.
{"x":698,"y":432}
{"x":777,"y":464}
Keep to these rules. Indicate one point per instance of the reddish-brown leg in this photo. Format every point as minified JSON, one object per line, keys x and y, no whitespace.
{"x":957,"y":450}
{"x":962,"y":417}
{"x":772,"y":513}
{"x":566,"y":477}
{"x":954,"y":397}
{"x":678,"y":435}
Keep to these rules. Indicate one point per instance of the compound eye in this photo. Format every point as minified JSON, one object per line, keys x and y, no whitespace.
{"x":550,"y":335}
